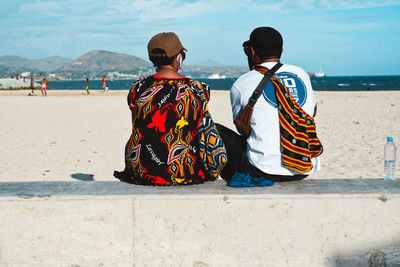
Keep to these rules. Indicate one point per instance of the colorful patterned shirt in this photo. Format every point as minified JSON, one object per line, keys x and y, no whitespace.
{"x":164,"y":145}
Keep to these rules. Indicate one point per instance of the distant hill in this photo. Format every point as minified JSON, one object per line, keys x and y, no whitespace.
{"x":50,"y":64}
{"x":20,"y":64}
{"x":104,"y":61}
{"x":15,"y":62}
{"x":205,"y":71}
{"x":209,"y":63}
{"x":97,"y":63}
{"x":206,"y":68}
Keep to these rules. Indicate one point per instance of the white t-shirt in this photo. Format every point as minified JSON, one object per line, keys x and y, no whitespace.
{"x":263,"y":144}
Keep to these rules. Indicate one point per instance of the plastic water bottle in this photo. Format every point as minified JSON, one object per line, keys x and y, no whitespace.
{"x":389,"y":170}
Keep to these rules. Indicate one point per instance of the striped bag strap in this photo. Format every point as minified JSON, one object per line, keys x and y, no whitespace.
{"x":298,"y":135}
{"x":267,"y":76}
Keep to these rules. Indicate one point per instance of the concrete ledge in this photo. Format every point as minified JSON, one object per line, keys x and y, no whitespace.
{"x":351,"y":222}
{"x":308,"y":187}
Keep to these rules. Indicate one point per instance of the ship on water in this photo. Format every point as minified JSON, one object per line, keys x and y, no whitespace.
{"x":216,"y":75}
{"x":319,"y":74}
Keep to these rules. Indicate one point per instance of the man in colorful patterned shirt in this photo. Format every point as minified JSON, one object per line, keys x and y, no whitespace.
{"x":167,"y":109}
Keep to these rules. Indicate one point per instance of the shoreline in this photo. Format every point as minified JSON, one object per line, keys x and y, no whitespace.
{"x":50,"y":92}
{"x":100,"y":92}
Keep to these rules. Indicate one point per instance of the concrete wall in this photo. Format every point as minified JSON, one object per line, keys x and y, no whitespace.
{"x":306,"y":223}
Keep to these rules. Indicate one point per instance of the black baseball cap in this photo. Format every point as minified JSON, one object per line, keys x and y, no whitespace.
{"x":266,"y":40}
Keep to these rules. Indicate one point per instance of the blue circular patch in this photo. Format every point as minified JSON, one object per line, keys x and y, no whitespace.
{"x":293,"y":83}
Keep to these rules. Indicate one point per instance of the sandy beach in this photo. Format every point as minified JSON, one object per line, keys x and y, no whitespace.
{"x":69,"y":135}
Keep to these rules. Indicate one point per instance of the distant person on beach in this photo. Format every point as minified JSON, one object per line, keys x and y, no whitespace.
{"x":166,"y":109}
{"x":32,"y":87}
{"x":87,"y":86}
{"x":265,"y":152}
{"x":44,"y":87}
{"x":104,"y":83}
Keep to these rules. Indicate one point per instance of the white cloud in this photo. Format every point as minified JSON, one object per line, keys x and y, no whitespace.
{"x":289,"y":5}
{"x":167,"y":12}
{"x":43,"y":8}
{"x":156,"y":10}
{"x":353,"y":4}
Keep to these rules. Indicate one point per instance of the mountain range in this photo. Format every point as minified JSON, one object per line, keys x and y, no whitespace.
{"x":15,"y":64}
{"x":97,"y":63}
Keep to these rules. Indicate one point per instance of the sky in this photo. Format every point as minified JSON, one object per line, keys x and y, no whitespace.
{"x":343,"y":37}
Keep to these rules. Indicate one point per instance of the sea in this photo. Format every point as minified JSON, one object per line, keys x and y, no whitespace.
{"x":329,"y":83}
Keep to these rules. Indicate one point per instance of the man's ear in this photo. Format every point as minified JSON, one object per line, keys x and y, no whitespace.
{"x":254,"y":56}
{"x":252,"y":51}
{"x":175,"y":62}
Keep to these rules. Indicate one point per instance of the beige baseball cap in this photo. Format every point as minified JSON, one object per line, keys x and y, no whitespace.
{"x":164,"y":44}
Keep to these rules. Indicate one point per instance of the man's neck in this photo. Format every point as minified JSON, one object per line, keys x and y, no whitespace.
{"x":271,"y":60}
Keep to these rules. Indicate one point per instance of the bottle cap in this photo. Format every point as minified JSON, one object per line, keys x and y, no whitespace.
{"x":390,"y":138}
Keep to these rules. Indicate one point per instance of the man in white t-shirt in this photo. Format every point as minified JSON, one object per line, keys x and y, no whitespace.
{"x":260,"y":154}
